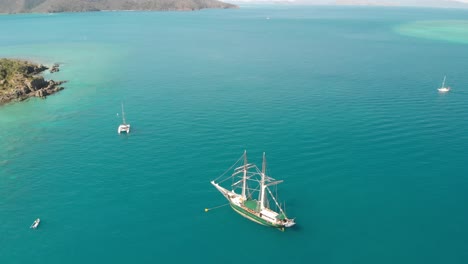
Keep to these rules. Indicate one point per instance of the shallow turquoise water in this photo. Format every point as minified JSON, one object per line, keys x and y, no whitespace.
{"x":446,"y":30}
{"x":373,"y":158}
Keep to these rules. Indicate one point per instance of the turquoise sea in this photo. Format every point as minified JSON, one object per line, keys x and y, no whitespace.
{"x":343,"y":100}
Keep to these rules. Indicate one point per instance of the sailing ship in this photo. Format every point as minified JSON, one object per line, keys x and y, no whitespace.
{"x":124,"y":127}
{"x":265,"y":210}
{"x":444,"y":88}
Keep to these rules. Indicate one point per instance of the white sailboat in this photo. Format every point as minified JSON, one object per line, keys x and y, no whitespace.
{"x":264,"y":210}
{"x":444,"y":88}
{"x":124,"y":127}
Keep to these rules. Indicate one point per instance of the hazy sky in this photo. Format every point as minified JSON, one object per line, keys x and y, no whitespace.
{"x":400,"y":2}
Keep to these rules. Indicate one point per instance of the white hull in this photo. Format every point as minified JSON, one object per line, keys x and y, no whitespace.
{"x":124,"y":128}
{"x":443,"y":89}
{"x":35,"y":224}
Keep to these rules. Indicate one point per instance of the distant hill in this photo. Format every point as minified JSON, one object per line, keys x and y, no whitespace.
{"x":54,"y":6}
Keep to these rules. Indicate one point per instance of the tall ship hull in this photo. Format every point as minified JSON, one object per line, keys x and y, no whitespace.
{"x":265,"y":210}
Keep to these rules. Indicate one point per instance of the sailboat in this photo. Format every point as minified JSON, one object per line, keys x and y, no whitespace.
{"x":124,"y":127}
{"x":265,"y":210}
{"x":444,"y":88}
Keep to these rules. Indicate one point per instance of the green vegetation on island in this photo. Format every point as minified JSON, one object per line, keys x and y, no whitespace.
{"x":54,"y":6}
{"x":20,"y":80}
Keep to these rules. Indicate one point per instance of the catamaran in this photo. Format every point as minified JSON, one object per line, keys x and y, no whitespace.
{"x":444,"y":88}
{"x":265,"y":210}
{"x":124,"y":127}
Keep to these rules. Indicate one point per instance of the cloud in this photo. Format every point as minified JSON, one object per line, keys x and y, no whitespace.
{"x":434,"y":3}
{"x":260,"y":1}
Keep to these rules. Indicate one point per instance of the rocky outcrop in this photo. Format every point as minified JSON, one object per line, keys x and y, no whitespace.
{"x":55,"y":68}
{"x":20,"y":80}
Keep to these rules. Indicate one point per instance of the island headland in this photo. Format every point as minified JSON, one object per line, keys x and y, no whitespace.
{"x":20,"y":80}
{"x":56,"y":6}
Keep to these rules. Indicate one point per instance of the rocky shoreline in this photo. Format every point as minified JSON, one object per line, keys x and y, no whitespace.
{"x":20,"y":80}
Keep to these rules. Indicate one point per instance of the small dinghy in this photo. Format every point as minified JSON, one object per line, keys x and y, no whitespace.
{"x":35,"y":224}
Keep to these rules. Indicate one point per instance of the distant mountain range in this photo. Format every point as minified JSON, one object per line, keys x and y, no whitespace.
{"x":53,"y":6}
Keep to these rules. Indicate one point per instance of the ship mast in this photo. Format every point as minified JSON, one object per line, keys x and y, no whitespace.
{"x":123,"y":115}
{"x":262,"y":184}
{"x":244,"y":179}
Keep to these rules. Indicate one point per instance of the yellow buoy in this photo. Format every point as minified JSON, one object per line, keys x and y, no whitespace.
{"x":206,"y":209}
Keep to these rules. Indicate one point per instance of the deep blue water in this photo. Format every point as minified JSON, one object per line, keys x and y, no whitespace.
{"x":373,"y":158}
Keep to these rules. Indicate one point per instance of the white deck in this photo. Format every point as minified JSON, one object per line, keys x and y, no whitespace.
{"x":124,"y":128}
{"x":443,"y":89}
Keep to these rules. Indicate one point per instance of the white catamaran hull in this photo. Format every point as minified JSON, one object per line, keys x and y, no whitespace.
{"x":124,"y":128}
{"x":443,"y":90}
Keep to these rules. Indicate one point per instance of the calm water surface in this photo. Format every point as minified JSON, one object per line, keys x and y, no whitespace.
{"x":346,"y":108}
